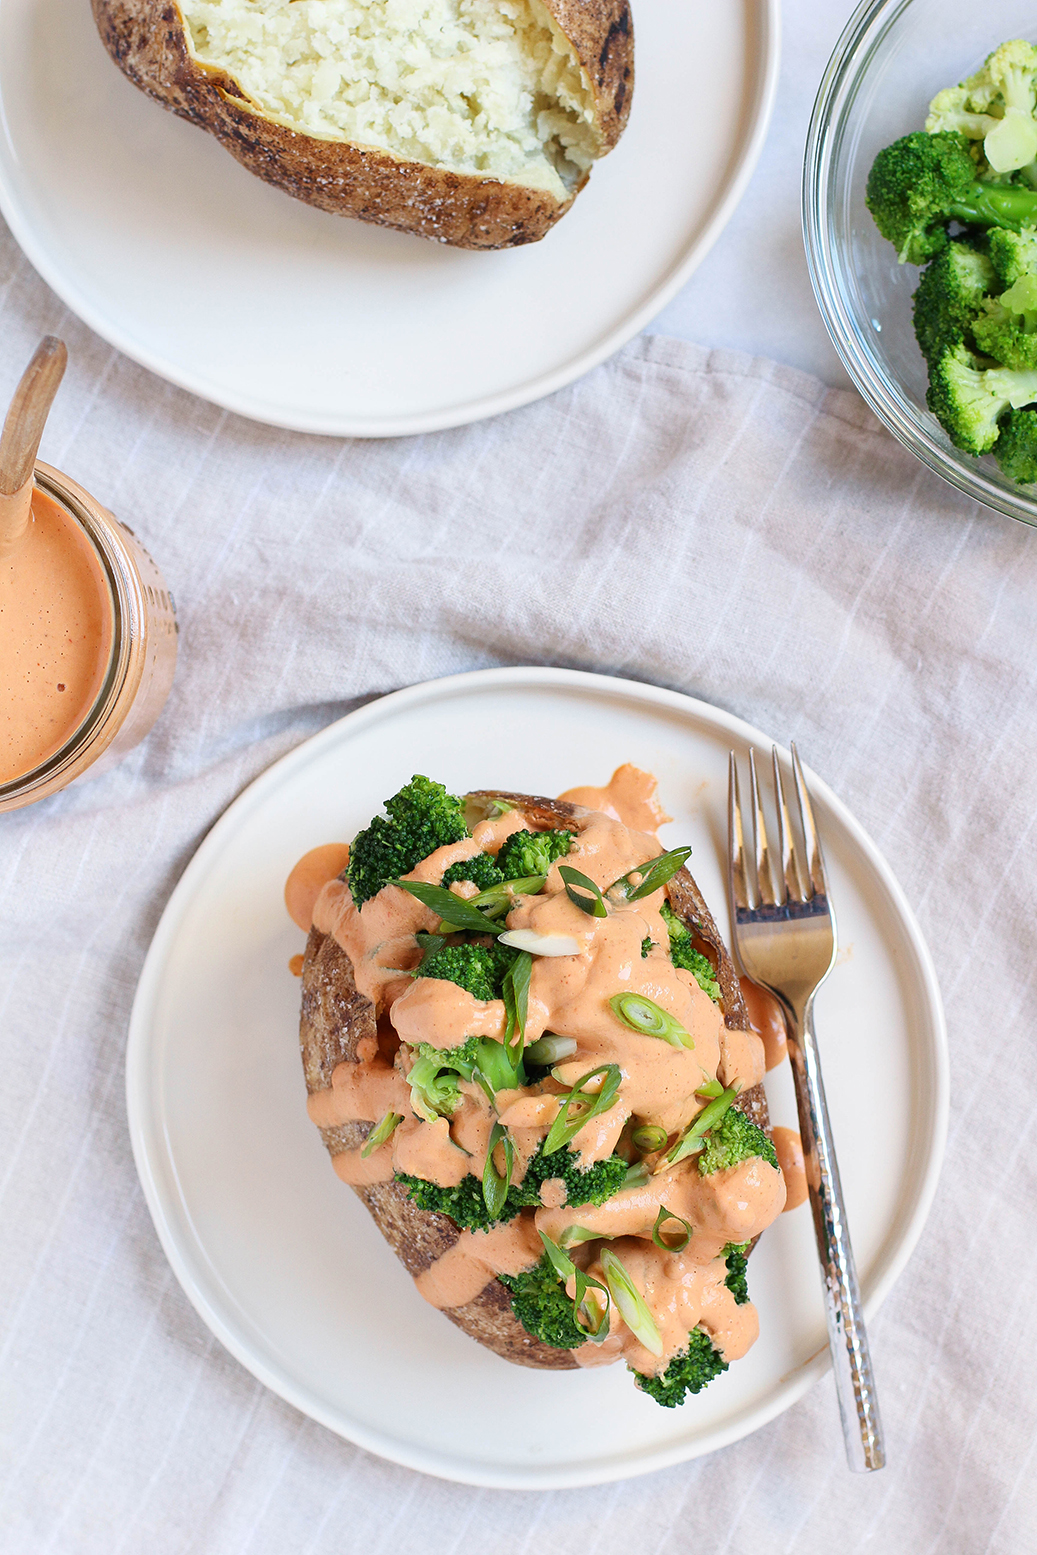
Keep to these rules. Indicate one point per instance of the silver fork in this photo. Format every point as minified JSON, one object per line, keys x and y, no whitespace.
{"x":785,"y":939}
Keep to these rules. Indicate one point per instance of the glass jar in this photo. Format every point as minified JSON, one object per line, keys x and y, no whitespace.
{"x":141,"y":656}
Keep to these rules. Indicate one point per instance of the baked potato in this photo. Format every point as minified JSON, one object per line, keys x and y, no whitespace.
{"x":471,"y":122}
{"x":584,"y":1247}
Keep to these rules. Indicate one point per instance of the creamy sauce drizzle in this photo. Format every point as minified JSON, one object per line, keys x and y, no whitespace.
{"x":568,"y":996}
{"x":789,"y":1148}
{"x":767,"y":1020}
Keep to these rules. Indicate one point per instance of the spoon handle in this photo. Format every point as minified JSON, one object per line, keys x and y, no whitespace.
{"x":20,"y":439}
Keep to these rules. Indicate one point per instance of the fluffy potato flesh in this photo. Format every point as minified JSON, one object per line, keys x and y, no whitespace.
{"x":485,"y":87}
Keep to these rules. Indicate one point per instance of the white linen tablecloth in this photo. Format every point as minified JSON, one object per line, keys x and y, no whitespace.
{"x":698,"y":518}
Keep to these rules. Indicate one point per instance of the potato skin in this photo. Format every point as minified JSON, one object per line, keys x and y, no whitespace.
{"x":335,"y":1017}
{"x":146,"y":39}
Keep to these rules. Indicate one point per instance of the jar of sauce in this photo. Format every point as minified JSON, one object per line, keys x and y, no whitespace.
{"x":87,"y":643}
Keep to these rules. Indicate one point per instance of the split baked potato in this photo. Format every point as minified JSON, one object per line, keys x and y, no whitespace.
{"x":340,"y":1030}
{"x":471,"y":122}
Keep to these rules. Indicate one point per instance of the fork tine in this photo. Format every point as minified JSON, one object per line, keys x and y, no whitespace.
{"x":789,"y":862}
{"x":735,"y":844}
{"x":819,"y":885}
{"x":764,"y":872}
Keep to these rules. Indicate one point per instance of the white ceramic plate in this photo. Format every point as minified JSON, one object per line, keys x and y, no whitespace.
{"x":155,"y":236}
{"x":283,"y":1262}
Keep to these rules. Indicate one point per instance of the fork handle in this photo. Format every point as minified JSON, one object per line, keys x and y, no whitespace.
{"x":847,"y":1335}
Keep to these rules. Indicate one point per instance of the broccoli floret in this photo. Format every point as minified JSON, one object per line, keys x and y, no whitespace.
{"x":646,"y":946}
{"x":950,"y":296}
{"x":1007,"y":327}
{"x":968,"y":400}
{"x":422,"y":817}
{"x":466,"y":1207}
{"x":480,"y":870}
{"x":684,"y":954}
{"x":527,"y":853}
{"x":539,"y":1302}
{"x":733,"y":1140}
{"x":737,"y":1256}
{"x":994,"y":106}
{"x":921,"y":182}
{"x":689,"y":1371}
{"x":1012,"y":254}
{"x":478,"y":968}
{"x":1016,"y":448}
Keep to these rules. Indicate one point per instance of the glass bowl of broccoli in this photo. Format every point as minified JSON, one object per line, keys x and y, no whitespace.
{"x":932,"y":314}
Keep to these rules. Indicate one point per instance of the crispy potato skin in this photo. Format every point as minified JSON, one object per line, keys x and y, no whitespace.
{"x":335,"y":1017}
{"x":146,"y":39}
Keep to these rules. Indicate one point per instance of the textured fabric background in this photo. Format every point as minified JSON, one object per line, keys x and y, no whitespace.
{"x":701,"y":519}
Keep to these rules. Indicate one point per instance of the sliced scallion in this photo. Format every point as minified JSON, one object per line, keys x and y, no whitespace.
{"x":569,"y":1122}
{"x":670,"y":1241}
{"x":515,"y":993}
{"x":693,"y":1137}
{"x":590,"y":1318}
{"x":643,"y":1015}
{"x":709,"y":1088}
{"x":573,"y":1235}
{"x":381,"y":1132}
{"x":633,"y":1308}
{"x":549,"y":1049}
{"x":494,"y":1183}
{"x":453,"y":910}
{"x":582,"y":890}
{"x":540,"y":944}
{"x":652,"y":876}
{"x":648,"y":1137}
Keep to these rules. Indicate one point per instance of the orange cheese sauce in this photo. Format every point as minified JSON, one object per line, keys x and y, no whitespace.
{"x":568,"y":996}
{"x":56,"y":632}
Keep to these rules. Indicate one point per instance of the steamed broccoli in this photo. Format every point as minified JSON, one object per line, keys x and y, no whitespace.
{"x":737,"y":1256}
{"x":436,"y":1073}
{"x":480,"y":870}
{"x":922,"y":182}
{"x":647,"y":944}
{"x":1016,"y":447}
{"x":688,"y":1372}
{"x":733,"y":1140}
{"x":1007,"y":328}
{"x":950,"y":297}
{"x":994,"y":106}
{"x":478,"y":968}
{"x":466,"y":1207}
{"x":422,"y":817}
{"x":527,"y":853}
{"x":684,"y":954}
{"x":1012,"y":254}
{"x":968,"y":399}
{"x":539,"y":1302}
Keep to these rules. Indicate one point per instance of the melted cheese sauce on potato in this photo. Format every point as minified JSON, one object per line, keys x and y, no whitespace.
{"x":485,"y":87}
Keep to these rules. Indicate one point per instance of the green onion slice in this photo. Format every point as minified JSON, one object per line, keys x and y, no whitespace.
{"x":693,"y":1138}
{"x":641,"y":1014}
{"x":454,"y":910}
{"x":515,"y":993}
{"x":648,"y":1138}
{"x":381,"y":1132}
{"x":550,"y":1049}
{"x":709,"y":1088}
{"x":497,"y":899}
{"x":662,"y":1237}
{"x":494,"y":1185}
{"x":575,"y":1234}
{"x":577,"y":887}
{"x":566,"y":1126}
{"x":653,"y":875}
{"x":633,"y":1308}
{"x":590,"y":1318}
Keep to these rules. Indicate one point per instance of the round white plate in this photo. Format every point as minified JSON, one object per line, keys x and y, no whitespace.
{"x":164,"y":245}
{"x":283,"y":1262}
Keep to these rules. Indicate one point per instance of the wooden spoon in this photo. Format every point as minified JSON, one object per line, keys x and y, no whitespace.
{"x":20,"y":438}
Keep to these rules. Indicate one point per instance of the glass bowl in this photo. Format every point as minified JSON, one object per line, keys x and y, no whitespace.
{"x":892,"y":59}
